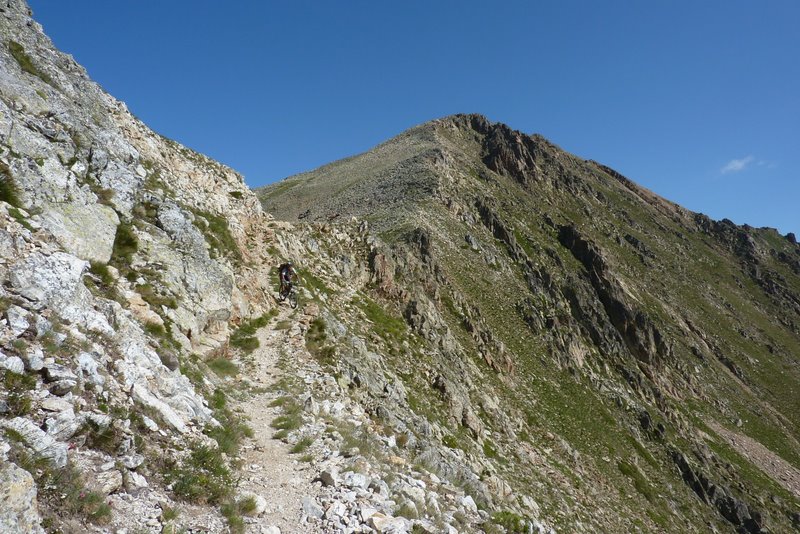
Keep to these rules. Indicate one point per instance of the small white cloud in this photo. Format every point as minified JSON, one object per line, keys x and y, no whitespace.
{"x":737,"y":165}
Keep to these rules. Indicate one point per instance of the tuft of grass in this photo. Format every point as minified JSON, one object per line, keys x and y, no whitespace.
{"x":384,"y":324}
{"x":203,"y":477}
{"x":316,"y":342}
{"x":155,"y":329}
{"x":8,"y":188}
{"x":244,"y":337}
{"x":291,"y":419}
{"x":638,"y":479}
{"x":105,"y":196}
{"x":61,"y":489}
{"x":287,"y":422}
{"x":232,"y":430}
{"x":450,"y":441}
{"x":489,"y":449}
{"x":247,"y":505}
{"x":155,"y":299}
{"x":168,"y":514}
{"x":106,"y":439}
{"x":218,"y":234}
{"x":233,"y":511}
{"x":302,"y":445}
{"x":100,"y":270}
{"x":511,"y":522}
{"x":312,"y":282}
{"x":125,"y":245}
{"x":20,"y":218}
{"x":26,"y":63}
{"x":223,"y":367}
{"x":18,"y":388}
{"x":281,"y":401}
{"x":231,"y":514}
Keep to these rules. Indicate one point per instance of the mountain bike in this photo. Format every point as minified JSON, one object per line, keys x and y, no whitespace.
{"x":289,"y":294}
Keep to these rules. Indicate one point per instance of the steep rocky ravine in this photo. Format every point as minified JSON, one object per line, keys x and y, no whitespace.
{"x":493,"y":335}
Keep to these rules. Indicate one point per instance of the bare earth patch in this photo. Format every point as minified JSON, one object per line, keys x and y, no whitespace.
{"x":773,"y":465}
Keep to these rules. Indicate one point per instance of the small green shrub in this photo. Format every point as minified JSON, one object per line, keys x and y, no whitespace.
{"x":26,"y":63}
{"x":287,"y":422}
{"x":233,"y":511}
{"x":155,"y":329}
{"x":106,"y":439}
{"x":234,"y":518}
{"x":247,"y":505}
{"x":61,"y":489}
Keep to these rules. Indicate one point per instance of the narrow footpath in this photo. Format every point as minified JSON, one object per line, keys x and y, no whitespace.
{"x":268,"y":467}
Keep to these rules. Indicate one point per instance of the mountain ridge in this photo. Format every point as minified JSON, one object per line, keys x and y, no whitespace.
{"x":603,"y":271}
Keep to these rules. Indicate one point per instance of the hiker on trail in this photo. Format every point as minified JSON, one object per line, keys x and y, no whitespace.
{"x":287,"y":275}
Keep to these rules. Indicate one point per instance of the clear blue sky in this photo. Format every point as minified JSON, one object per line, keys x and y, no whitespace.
{"x":699,"y":101}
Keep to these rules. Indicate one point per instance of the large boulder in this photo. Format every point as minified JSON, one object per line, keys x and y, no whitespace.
{"x":18,"y":508}
{"x":87,"y":231}
{"x":55,"y":281}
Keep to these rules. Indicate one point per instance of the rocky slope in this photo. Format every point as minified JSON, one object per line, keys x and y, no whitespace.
{"x":566,"y":343}
{"x":124,"y":258}
{"x":148,"y":382}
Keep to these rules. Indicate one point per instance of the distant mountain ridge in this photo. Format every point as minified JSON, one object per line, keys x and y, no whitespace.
{"x":681,"y":331}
